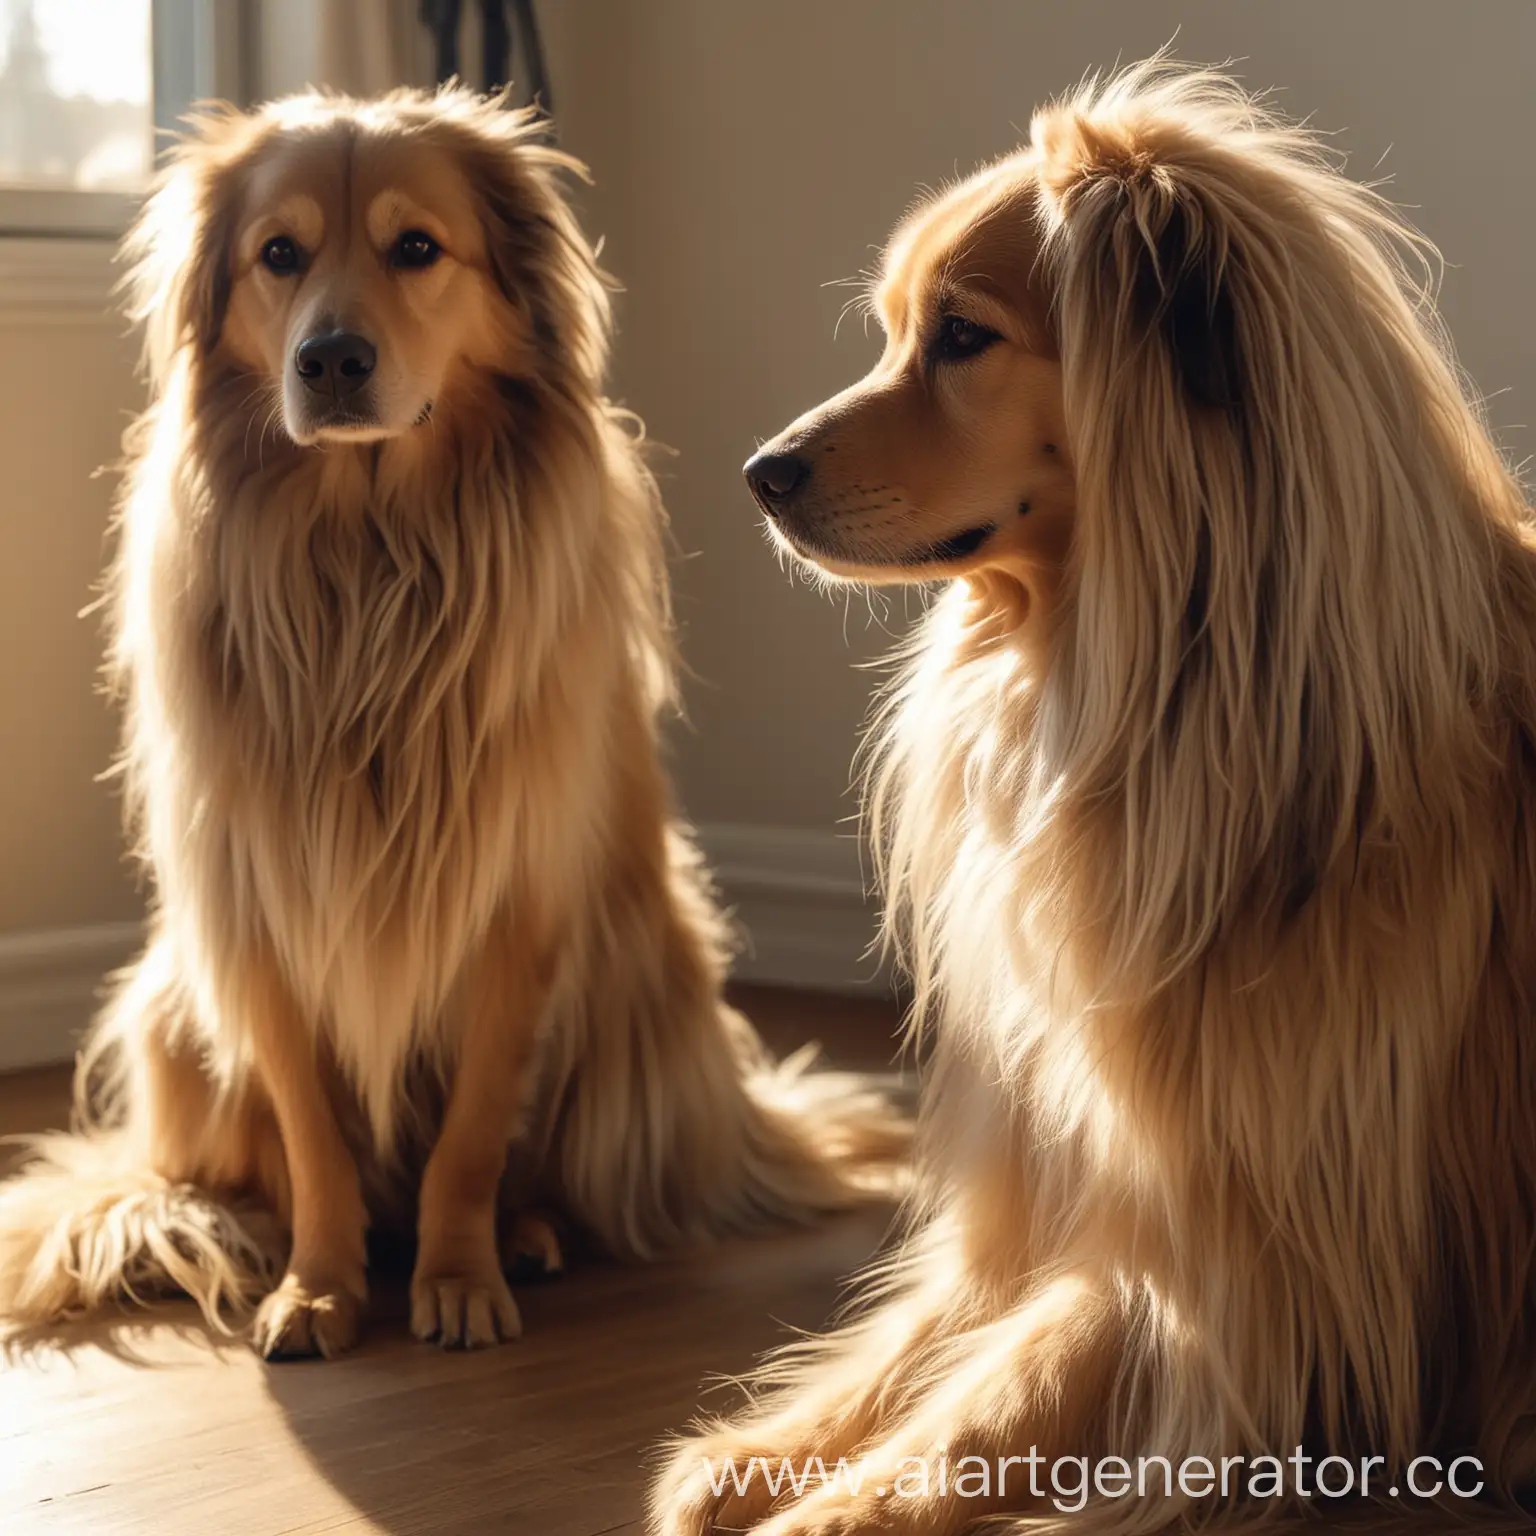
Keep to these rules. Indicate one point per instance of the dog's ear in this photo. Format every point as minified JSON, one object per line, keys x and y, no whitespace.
{"x":1134,"y":228}
{"x":1181,"y":291}
{"x":180,"y":250}
{"x":1169,"y":352}
{"x":542,"y":264}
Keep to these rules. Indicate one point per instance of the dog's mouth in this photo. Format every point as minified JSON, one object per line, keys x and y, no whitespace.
{"x":340,"y":425}
{"x":956,"y":547}
{"x":344,"y":427}
{"x":844,"y":559}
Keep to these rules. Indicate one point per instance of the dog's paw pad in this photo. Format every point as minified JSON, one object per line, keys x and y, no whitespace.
{"x":463,"y":1313}
{"x":296,"y":1323}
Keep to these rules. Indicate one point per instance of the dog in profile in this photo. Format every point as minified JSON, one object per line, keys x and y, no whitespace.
{"x":389,"y":619}
{"x":1206,"y":804}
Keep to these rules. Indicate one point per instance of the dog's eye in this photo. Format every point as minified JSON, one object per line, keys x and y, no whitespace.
{"x":958,"y":338}
{"x":280,"y":255}
{"x":415,"y":249}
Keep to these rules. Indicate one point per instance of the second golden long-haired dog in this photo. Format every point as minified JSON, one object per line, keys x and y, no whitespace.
{"x":389,"y":619}
{"x":1207,"y":807}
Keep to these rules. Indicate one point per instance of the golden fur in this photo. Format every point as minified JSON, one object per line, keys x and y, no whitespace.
{"x":1206,"y":802}
{"x":392,"y":673}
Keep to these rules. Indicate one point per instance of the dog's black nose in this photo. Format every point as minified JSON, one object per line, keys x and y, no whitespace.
{"x":335,"y":363}
{"x":775,"y":477}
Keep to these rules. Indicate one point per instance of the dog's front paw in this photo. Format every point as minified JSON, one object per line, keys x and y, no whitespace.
{"x":470,"y":1309}
{"x":714,"y":1484}
{"x":297,"y":1321}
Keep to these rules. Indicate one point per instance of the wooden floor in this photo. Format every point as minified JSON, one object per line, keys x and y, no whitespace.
{"x":146,"y":1426}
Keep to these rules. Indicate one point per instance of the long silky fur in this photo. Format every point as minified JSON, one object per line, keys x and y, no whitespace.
{"x":1216,"y":881}
{"x":383,"y":715}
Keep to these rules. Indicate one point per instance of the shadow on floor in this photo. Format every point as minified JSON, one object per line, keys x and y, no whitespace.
{"x":562,"y":1426}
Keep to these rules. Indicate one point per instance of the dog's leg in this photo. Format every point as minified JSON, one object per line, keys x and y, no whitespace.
{"x":850,"y":1393}
{"x":1007,"y":1399}
{"x":459,"y":1295}
{"x":876,"y":1433}
{"x":318,"y":1306}
{"x":734,"y":1474}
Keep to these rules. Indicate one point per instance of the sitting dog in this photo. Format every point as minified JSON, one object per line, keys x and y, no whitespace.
{"x":389,"y":618}
{"x":1206,"y":800}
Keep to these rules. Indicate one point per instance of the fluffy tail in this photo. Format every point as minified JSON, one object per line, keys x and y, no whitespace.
{"x":651,"y":1156}
{"x":83,"y":1223}
{"x":84,"y":1220}
{"x":664,"y":1117}
{"x":819,"y":1140}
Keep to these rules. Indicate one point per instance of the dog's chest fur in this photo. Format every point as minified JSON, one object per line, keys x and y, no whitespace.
{"x":356,"y":657}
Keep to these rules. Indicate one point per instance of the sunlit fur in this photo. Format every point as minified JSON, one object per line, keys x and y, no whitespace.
{"x":1211,"y":849}
{"x":392,"y":761}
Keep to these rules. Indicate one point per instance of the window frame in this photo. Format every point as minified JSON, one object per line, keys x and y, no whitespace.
{"x":195,"y":56}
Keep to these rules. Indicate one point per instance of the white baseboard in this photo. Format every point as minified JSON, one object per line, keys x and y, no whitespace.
{"x":797,"y":895}
{"x":800,"y":898}
{"x":50,"y":985}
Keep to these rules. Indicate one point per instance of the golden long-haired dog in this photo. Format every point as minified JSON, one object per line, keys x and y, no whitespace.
{"x":1207,"y":806}
{"x":390,"y":621}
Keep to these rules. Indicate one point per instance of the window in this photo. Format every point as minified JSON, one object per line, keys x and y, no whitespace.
{"x":84,"y":84}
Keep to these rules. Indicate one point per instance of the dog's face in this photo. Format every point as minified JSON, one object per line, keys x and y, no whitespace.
{"x":366,"y":264}
{"x":951,"y":455}
{"x":359,"y":282}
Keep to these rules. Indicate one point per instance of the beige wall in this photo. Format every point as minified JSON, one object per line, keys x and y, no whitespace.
{"x":747,"y":154}
{"x":66,"y":384}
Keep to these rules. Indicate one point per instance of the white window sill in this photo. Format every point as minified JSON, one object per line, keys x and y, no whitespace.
{"x":62,"y":213}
